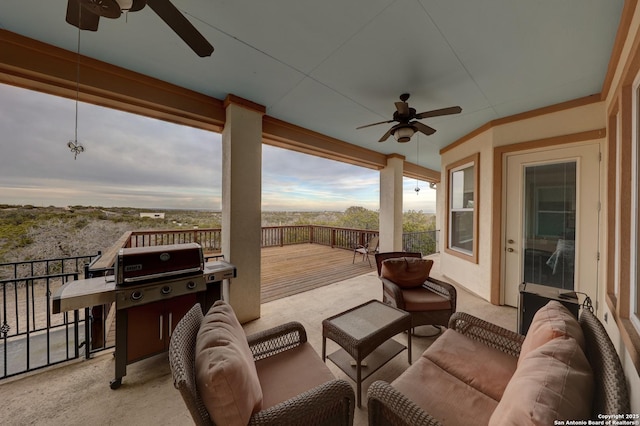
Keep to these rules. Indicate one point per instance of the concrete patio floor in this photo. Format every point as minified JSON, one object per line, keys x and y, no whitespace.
{"x":79,"y":393}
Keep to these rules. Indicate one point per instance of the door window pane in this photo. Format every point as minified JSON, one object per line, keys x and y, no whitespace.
{"x":550,"y":224}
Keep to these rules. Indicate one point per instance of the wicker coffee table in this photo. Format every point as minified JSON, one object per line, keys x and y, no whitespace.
{"x":365,"y":331}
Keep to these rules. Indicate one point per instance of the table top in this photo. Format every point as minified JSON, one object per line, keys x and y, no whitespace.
{"x":366,"y":319}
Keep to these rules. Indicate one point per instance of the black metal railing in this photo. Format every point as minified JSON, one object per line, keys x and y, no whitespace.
{"x":425,"y":242}
{"x":31,"y":336}
{"x":43,"y":267}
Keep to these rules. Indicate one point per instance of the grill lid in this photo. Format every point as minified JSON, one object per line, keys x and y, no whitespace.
{"x":141,"y":264}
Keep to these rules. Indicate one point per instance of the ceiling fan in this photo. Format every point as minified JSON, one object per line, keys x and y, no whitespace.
{"x":85,"y":14}
{"x":405,"y":127}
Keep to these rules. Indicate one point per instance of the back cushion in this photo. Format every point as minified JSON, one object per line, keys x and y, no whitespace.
{"x":551,"y":321}
{"x":406,"y":272}
{"x":225,"y":371}
{"x":552,"y":382}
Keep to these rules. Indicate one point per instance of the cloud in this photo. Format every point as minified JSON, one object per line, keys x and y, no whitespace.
{"x":137,"y":161}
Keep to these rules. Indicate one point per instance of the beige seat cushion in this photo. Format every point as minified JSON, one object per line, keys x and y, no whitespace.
{"x":443,"y":396}
{"x":225,"y":371}
{"x":551,"y":321}
{"x":406,"y":272}
{"x":480,"y":366}
{"x":290,"y":373}
{"x":552,"y":382}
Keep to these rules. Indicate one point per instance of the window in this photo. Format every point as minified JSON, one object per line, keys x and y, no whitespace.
{"x":462,"y":202}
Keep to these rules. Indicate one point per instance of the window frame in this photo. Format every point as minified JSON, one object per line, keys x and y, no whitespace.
{"x":634,"y":286}
{"x":462,"y":164}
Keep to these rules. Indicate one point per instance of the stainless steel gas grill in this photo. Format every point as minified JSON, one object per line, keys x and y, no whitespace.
{"x":152,"y":287}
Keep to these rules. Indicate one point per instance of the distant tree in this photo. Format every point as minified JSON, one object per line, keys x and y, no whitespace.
{"x":360,"y":218}
{"x":419,"y":229}
{"x":418,"y":221}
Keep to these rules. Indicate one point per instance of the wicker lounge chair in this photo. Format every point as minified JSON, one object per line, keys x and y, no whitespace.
{"x":331,"y":403}
{"x":394,"y":295}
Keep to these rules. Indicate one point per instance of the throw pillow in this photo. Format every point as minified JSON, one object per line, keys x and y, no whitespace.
{"x":226,"y":374}
{"x":552,"y":382}
{"x":406,"y":272}
{"x":551,"y":321}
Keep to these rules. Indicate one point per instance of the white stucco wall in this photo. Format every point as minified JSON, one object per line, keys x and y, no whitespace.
{"x":475,"y":277}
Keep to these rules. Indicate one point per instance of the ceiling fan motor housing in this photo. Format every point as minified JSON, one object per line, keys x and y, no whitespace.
{"x":105,"y":8}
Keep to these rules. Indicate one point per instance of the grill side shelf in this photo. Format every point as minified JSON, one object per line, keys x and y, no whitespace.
{"x":84,"y":293}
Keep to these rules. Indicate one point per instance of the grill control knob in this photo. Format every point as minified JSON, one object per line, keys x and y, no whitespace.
{"x":165,"y":290}
{"x":191,"y":285}
{"x":136,"y":295}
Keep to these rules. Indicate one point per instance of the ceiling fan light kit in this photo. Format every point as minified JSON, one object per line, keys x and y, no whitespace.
{"x":406,"y":128}
{"x":403,"y":134}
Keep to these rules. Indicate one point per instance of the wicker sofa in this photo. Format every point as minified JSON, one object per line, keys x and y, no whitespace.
{"x":478,"y":373}
{"x":273,"y":377}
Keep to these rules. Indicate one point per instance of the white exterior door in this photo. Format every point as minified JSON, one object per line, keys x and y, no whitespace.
{"x":551,"y":208}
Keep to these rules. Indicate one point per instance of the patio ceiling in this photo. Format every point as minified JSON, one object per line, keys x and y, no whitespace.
{"x":331,"y":65}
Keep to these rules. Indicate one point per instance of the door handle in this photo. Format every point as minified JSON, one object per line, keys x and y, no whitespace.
{"x":510,"y":250}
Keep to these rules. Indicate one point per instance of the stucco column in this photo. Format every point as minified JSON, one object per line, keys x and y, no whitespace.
{"x":391,"y":204}
{"x":241,"y":202}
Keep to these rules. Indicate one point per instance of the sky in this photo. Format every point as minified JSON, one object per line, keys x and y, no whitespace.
{"x":135,"y":161}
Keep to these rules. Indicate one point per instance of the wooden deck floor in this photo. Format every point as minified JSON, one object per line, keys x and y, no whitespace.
{"x":293,"y":269}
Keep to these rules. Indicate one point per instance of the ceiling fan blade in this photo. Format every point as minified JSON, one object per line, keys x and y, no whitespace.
{"x":178,"y":23}
{"x":403,"y":108}
{"x":386,"y":135}
{"x":438,"y":112}
{"x":81,"y":17}
{"x":375,"y":124}
{"x":423,"y":128}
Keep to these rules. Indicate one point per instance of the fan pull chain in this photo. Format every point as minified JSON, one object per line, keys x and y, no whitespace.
{"x":417,"y":188}
{"x":73,"y":145}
